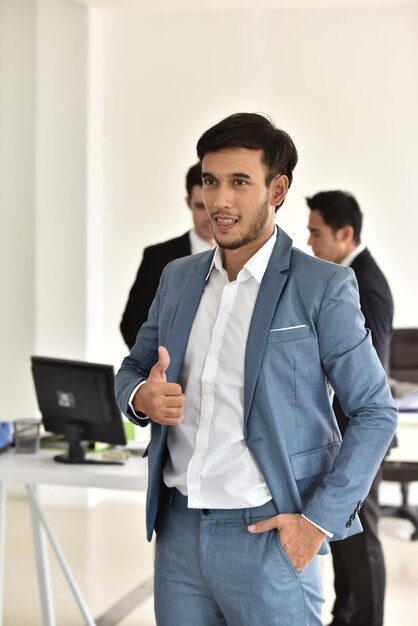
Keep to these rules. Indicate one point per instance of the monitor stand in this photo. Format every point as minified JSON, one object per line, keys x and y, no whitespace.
{"x":76,"y":453}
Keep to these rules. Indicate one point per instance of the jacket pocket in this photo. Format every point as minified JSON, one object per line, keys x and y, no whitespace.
{"x":290,"y":333}
{"x":314,"y":462}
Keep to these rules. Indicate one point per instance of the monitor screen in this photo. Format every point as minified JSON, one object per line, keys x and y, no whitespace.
{"x":77,"y":399}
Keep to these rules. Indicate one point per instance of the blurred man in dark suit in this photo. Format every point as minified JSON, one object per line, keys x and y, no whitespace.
{"x":156,"y":257}
{"x":335,"y":222}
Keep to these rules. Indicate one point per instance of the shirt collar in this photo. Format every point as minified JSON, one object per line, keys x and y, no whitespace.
{"x":197,"y":244}
{"x":255,"y":266}
{"x":354,"y":254}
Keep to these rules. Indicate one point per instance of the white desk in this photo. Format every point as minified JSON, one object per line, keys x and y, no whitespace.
{"x":41,"y":469}
{"x":32,"y":470}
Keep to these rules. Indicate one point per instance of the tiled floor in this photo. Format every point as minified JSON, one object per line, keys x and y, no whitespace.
{"x":109,"y":556}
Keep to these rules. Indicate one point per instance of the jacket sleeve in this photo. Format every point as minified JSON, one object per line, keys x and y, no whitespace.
{"x":137,"y":365}
{"x":140,"y":298}
{"x":359,"y":380}
{"x":377,"y":307}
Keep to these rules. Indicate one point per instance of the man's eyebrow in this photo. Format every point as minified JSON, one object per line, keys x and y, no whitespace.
{"x":240,"y":175}
{"x":233,"y":175}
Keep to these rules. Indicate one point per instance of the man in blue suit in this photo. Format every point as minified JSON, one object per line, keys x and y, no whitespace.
{"x":235,"y":369}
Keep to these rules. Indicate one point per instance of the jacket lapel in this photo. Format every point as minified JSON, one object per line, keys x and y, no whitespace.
{"x":193,"y":286}
{"x":268,"y":297}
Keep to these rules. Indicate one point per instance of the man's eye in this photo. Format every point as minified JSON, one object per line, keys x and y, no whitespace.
{"x":209,"y":181}
{"x":240,"y":182}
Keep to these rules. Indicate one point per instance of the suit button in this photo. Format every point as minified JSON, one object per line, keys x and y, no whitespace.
{"x":359,"y":505}
{"x":351,"y":520}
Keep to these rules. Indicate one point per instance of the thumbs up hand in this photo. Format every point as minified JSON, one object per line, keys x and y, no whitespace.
{"x":157,"y":373}
{"x":163,"y":402}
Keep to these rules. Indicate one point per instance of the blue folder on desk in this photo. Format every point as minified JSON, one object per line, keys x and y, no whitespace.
{"x":5,"y":435}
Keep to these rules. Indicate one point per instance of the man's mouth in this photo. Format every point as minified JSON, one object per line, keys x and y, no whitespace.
{"x":225,"y":223}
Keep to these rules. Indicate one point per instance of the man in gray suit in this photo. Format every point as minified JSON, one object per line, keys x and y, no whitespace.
{"x":234,"y":369}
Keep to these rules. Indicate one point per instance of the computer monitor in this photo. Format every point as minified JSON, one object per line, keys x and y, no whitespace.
{"x":77,"y":399}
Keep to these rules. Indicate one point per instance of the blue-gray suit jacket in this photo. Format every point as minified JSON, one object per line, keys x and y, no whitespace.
{"x":306,"y":338}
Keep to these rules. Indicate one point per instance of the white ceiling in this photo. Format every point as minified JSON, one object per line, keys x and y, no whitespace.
{"x":228,"y":5}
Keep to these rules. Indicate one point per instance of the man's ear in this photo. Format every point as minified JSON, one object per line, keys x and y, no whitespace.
{"x":346,"y":234}
{"x":188,"y":201}
{"x":278,"y":189}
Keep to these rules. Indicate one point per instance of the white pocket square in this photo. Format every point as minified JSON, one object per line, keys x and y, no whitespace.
{"x":276,"y":330}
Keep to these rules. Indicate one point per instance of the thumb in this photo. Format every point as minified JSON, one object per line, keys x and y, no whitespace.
{"x":265,"y":525}
{"x":157,"y":372}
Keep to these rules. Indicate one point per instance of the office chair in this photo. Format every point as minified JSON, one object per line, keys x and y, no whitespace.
{"x":403,"y":367}
{"x":402,"y":472}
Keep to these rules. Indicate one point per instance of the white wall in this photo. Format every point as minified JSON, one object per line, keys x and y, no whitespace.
{"x":17,"y":128}
{"x":100,"y":110}
{"x":60,"y":198}
{"x":342,"y":82}
{"x":43,"y":108}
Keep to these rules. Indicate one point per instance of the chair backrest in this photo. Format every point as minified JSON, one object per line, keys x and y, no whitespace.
{"x":404,"y":355}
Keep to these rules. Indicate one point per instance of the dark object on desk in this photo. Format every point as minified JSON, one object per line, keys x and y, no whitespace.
{"x":403,"y":367}
{"x":404,"y":473}
{"x":76,"y":399}
{"x":404,"y":355}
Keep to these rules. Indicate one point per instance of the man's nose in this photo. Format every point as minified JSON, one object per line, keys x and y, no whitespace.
{"x":310,"y":240}
{"x":223,"y":197}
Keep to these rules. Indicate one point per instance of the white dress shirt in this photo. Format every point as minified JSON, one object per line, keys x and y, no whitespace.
{"x":347,"y":261}
{"x":208,"y":458}
{"x":197,"y":244}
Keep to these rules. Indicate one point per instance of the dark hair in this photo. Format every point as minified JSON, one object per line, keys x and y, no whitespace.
{"x":194,"y":177}
{"x":338,"y":209}
{"x":254,"y":132}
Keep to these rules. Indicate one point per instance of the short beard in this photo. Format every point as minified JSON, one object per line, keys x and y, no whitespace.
{"x":255,"y":229}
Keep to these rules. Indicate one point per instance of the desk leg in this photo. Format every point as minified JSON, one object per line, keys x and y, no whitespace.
{"x":38,"y":515}
{"x":42,"y":563}
{"x":2,"y":544}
